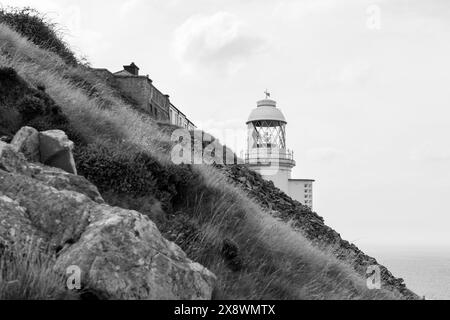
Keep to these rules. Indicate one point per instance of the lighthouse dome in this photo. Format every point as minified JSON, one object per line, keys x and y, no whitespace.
{"x":266,"y":110}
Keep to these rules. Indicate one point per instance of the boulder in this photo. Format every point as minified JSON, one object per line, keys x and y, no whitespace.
{"x":26,"y":141}
{"x":13,"y":221}
{"x":56,"y":150}
{"x":124,"y":256}
{"x":121,"y":253}
{"x":11,"y":160}
{"x":14,"y":162}
{"x":52,"y":148}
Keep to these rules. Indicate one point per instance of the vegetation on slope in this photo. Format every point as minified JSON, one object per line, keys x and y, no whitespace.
{"x":22,"y":105}
{"x":311,"y":225}
{"x":26,"y":273}
{"x":37,"y":28}
{"x":254,"y":255}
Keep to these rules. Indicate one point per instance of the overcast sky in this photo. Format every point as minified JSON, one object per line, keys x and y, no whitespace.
{"x":364,"y":86}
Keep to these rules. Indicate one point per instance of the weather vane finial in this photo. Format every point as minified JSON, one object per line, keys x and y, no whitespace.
{"x":267,"y":94}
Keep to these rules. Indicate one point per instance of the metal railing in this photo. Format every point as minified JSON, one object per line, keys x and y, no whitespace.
{"x":269,"y":154}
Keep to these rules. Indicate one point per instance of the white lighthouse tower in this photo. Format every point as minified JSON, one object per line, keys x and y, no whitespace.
{"x":267,"y":153}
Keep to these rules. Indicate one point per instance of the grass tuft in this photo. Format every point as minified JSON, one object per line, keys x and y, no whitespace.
{"x":26,"y":273}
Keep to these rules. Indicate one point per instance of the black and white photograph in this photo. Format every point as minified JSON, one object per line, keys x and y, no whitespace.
{"x":222,"y":157}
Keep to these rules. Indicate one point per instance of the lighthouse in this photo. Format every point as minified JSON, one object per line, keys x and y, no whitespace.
{"x":267,"y":151}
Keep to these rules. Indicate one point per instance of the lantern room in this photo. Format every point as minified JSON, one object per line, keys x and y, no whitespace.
{"x":267,"y":135}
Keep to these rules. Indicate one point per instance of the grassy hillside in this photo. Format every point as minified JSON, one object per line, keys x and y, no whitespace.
{"x":127,"y":155}
{"x":38,"y":29}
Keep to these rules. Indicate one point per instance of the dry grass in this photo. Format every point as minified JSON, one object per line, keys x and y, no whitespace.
{"x":288,"y":264}
{"x":88,"y":115}
{"x":273,"y":261}
{"x":27,"y":274}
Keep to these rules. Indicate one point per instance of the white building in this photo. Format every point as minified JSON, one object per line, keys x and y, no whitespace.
{"x":267,"y":152}
{"x":302,"y":191}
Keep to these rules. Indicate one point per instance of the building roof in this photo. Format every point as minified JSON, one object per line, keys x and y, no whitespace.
{"x":124,"y":73}
{"x":266,"y":110}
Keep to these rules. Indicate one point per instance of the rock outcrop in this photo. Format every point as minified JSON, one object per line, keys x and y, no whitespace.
{"x":311,"y":225}
{"x":121,"y":253}
{"x":26,"y":141}
{"x":52,"y":148}
{"x":56,"y":150}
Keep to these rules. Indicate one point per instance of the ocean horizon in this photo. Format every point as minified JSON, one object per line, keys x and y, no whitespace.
{"x":426,"y":270}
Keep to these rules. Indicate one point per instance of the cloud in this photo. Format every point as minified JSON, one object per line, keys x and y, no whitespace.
{"x":294,"y":9}
{"x":127,"y":7}
{"x":324,"y":154}
{"x":352,"y":74}
{"x":217,"y":42}
{"x":430,"y":153}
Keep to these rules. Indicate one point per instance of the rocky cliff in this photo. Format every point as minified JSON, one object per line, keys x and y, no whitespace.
{"x":121,"y":253}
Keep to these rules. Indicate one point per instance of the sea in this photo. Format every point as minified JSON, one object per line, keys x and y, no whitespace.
{"x":426,"y":270}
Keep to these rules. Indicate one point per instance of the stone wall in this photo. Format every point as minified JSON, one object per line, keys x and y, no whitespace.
{"x":149,"y":99}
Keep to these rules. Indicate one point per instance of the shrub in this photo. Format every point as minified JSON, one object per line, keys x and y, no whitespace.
{"x":31,"y":107}
{"x":124,"y":169}
{"x":39,"y":29}
{"x":22,"y":105}
{"x":12,"y":86}
{"x":10,"y":121}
